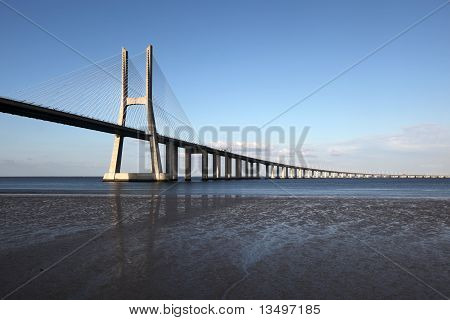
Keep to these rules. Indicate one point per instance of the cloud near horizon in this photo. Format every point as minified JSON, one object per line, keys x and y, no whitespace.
{"x":418,"y":149}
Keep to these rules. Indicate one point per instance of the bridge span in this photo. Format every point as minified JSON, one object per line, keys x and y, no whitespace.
{"x":245,"y":167}
{"x":250,"y":165}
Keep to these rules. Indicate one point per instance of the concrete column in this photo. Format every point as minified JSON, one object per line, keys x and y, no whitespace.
{"x":204,"y":165}
{"x":154,"y":147}
{"x":227,"y":167}
{"x":267,"y":171}
{"x":257,"y":169}
{"x":278,"y":171}
{"x":187,"y":164}
{"x":238,"y":168}
{"x":251,"y":170}
{"x":295,"y":173}
{"x":272,"y":172}
{"x":216,"y":166}
{"x":172,"y":161}
{"x":246,"y":169}
{"x":116,"y":158}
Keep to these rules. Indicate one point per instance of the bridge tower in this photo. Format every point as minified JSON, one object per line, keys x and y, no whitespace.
{"x":156,"y":174}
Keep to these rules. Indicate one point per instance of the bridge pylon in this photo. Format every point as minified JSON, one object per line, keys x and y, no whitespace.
{"x":156,"y":174}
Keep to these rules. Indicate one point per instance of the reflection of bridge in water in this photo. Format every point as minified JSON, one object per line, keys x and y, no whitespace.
{"x":236,"y":166}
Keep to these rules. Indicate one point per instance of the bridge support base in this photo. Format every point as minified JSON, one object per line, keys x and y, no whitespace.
{"x":129,"y":177}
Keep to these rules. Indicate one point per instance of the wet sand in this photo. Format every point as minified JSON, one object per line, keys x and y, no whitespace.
{"x":213,"y":247}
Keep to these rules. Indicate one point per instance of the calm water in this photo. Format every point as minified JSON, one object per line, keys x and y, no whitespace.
{"x":80,"y":238}
{"x":400,"y":188}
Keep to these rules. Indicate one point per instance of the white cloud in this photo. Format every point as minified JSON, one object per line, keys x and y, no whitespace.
{"x":419,"y":149}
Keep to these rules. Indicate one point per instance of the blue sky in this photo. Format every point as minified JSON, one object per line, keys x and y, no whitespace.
{"x":242,"y":63}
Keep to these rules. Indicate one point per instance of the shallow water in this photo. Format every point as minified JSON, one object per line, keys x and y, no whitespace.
{"x":322,"y":239}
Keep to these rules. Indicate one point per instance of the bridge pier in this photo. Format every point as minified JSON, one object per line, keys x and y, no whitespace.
{"x":238,"y":168}
{"x":171,"y":161}
{"x":187,"y":164}
{"x":156,"y":174}
{"x":227,"y":167}
{"x":246,"y":168}
{"x":216,"y":166}
{"x":204,"y":165}
{"x":257,"y":170}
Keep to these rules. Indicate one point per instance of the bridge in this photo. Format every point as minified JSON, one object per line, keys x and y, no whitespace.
{"x":246,"y":167}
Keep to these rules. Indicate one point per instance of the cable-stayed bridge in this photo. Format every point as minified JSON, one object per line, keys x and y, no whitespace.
{"x":112,"y":96}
